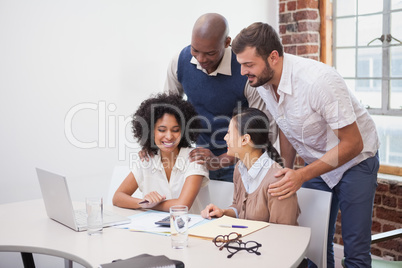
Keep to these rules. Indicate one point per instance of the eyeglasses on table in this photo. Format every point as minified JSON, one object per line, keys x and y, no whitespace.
{"x":221,"y":240}
{"x":233,"y":244}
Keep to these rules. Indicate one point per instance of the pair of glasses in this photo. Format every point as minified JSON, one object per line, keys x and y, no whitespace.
{"x":233,"y":244}
{"x":221,"y":240}
{"x":237,"y":245}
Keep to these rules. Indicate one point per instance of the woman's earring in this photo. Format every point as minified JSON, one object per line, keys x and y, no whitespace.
{"x":245,"y":139}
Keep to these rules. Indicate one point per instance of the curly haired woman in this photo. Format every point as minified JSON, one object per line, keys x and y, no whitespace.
{"x":164,"y":126}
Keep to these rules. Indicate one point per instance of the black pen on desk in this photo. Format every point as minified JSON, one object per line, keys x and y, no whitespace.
{"x":232,"y":226}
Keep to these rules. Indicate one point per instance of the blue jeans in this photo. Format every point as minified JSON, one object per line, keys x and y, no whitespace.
{"x":223,"y":174}
{"x":354,"y":196}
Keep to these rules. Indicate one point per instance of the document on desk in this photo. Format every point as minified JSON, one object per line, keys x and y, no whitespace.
{"x":145,"y":222}
{"x":219,"y":226}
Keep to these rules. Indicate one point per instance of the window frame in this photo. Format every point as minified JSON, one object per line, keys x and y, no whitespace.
{"x":385,"y":46}
{"x":327,"y":49}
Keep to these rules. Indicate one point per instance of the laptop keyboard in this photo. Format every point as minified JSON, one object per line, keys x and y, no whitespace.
{"x":81,"y":217}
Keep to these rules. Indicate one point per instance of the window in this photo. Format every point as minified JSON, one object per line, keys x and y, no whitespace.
{"x":367,"y":52}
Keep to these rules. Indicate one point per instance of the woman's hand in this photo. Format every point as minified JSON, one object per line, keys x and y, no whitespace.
{"x":212,"y":211}
{"x":153,"y":198}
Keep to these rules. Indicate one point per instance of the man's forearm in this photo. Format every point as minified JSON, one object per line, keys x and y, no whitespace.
{"x":227,"y":160}
{"x":221,"y":161}
{"x":336,"y":157}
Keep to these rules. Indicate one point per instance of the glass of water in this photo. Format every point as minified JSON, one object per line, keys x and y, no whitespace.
{"x":179,"y":226}
{"x":94,"y":207}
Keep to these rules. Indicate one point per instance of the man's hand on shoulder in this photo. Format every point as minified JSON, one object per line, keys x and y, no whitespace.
{"x":205,"y":157}
{"x":288,"y":185}
{"x":144,"y":155}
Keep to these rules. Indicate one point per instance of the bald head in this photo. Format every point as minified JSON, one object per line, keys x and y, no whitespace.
{"x":211,"y":26}
{"x":210,"y":40}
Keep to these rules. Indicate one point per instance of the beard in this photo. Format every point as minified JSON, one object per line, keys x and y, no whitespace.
{"x":266,"y":76}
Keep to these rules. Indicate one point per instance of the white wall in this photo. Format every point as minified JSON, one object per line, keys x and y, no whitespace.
{"x":104,"y":56}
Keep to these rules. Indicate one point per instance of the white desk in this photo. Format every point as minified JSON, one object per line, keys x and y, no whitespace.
{"x":24,"y":226}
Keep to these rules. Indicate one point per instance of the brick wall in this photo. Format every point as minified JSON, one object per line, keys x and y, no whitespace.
{"x":299,"y":29}
{"x":387,"y":215}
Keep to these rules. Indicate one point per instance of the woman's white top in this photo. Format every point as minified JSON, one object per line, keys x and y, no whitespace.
{"x":151,"y":176}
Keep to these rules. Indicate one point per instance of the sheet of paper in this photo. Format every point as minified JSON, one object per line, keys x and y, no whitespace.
{"x":145,"y":222}
{"x":212,"y":228}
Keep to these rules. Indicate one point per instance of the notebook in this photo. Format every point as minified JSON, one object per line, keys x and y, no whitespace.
{"x":59,"y":206}
{"x":216,"y":227}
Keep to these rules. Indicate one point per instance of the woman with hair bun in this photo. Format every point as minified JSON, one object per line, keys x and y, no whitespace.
{"x":247,"y":140}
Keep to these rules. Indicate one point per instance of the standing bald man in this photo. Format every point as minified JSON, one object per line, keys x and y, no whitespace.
{"x":208,"y":73}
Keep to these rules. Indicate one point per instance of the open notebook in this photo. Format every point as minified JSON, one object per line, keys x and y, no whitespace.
{"x":60,"y":208}
{"x":213,"y":228}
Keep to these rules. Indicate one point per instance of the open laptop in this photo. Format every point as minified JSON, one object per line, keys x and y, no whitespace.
{"x":59,"y":206}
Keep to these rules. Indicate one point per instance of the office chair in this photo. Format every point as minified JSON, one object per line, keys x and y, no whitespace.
{"x":221,"y":193}
{"x":28,"y":261}
{"x":381,"y":237}
{"x":118,"y":176}
{"x":315,"y":208}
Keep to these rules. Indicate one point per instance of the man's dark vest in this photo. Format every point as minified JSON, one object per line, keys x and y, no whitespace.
{"x":213,"y":97}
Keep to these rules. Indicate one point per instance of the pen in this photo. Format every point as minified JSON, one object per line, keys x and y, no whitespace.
{"x":233,"y":226}
{"x":143,"y":202}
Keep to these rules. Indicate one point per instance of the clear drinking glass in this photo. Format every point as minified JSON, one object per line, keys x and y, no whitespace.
{"x":179,"y":226}
{"x":94,"y":207}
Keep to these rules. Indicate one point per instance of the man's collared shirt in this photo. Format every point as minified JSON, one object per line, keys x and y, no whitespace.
{"x":223,"y":67}
{"x":313,"y":102}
